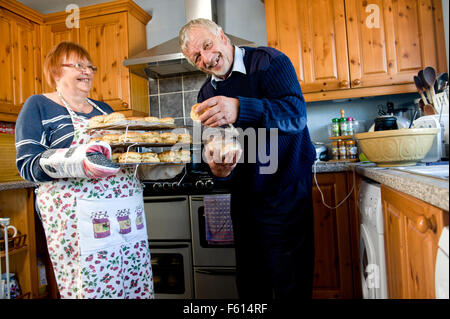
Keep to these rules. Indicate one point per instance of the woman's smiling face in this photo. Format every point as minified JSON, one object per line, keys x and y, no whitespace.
{"x":210,"y":53}
{"x":77,"y":80}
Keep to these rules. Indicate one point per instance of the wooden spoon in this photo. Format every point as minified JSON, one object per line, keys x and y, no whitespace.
{"x":420,"y":88}
{"x":429,"y":75}
{"x":425,"y":85}
{"x":428,"y":109}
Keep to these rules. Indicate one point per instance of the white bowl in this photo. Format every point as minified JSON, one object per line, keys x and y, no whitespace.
{"x":402,"y":147}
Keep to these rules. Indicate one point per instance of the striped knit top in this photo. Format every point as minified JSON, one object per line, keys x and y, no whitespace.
{"x":270,"y":97}
{"x":43,"y":124}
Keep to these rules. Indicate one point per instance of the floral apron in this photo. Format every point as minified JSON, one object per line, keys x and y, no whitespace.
{"x":96,"y":232}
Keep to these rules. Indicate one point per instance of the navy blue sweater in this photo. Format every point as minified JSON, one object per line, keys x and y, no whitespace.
{"x":43,"y":124}
{"x":270,"y":97}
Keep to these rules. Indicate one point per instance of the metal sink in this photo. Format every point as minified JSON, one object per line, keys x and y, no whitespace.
{"x":439,"y":171}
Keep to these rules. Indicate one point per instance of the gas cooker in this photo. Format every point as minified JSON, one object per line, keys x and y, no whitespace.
{"x":197,"y":180}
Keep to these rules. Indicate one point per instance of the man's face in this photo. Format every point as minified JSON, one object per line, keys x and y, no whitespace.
{"x":210,"y":53}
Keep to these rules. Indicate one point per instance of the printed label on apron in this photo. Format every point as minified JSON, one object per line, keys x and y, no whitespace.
{"x":109,"y":223}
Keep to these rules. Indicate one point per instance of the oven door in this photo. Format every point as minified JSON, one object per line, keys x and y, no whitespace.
{"x":167,"y":217}
{"x":205,"y":254}
{"x":172,"y":270}
{"x":215,"y":283}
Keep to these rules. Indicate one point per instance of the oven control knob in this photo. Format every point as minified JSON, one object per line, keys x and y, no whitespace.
{"x":209,"y":184}
{"x":157,"y":186}
{"x":175,"y":186}
{"x":167,"y":186}
{"x":199,"y":184}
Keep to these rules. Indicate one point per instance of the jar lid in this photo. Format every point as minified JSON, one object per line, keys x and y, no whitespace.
{"x":350,"y":142}
{"x":350,"y":119}
{"x":335,"y":120}
{"x":343,"y":119}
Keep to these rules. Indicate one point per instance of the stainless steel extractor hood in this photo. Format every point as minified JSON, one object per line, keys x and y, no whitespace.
{"x":166,"y":59}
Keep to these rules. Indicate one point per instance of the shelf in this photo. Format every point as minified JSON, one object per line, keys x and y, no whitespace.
{"x":344,"y":137}
{"x":14,"y":251}
{"x":352,"y":160}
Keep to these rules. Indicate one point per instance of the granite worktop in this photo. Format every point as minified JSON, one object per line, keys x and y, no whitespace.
{"x":16,"y":185}
{"x":434,"y":191}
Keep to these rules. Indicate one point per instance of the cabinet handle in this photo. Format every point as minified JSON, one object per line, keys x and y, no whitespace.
{"x":424,"y":224}
{"x":344,"y":83}
{"x":357,"y":82}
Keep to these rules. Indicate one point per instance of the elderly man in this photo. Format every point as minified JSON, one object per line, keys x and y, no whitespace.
{"x":272,"y":213}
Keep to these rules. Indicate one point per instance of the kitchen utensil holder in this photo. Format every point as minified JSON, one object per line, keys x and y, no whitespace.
{"x":441,"y":103}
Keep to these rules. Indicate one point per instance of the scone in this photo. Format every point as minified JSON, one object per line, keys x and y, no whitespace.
{"x":151,"y":119}
{"x":135,"y":118}
{"x":114,"y":117}
{"x":151,"y":137}
{"x":130,"y":157}
{"x":168,"y":138}
{"x":167,"y":156}
{"x":194,"y":114}
{"x":130,"y":137}
{"x":93,"y":139}
{"x":167,"y":120}
{"x":96,"y":120}
{"x":184,"y":138}
{"x":183,"y":156}
{"x":115,"y":157}
{"x":149,"y":157}
{"x":111,"y":138}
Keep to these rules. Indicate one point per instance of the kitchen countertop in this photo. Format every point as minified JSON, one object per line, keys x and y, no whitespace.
{"x":434,"y":191}
{"x":16,"y":185}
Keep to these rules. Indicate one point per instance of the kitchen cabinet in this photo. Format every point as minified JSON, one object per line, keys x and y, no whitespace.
{"x":18,"y":205}
{"x":19,"y":62}
{"x":334,"y":233}
{"x":412,"y":229}
{"x":110,"y":32}
{"x":354,"y":48}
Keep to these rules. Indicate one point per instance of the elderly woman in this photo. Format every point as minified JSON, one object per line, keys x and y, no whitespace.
{"x":91,"y":210}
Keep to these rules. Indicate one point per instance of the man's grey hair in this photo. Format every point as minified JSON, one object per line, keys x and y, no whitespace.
{"x":183,"y":36}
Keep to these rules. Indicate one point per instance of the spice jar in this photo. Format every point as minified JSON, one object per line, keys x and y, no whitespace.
{"x":343,"y":126}
{"x":342,"y":150}
{"x":335,"y":150}
{"x":335,"y":127}
{"x":352,"y":150}
{"x":350,"y":122}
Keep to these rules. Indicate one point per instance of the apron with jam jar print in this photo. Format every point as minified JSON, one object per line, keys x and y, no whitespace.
{"x":96,"y":231}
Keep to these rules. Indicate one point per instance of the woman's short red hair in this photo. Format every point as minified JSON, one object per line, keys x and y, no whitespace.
{"x":53,"y":60}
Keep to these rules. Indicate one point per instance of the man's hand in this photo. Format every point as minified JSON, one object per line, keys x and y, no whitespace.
{"x":222,"y":164}
{"x":218,"y":111}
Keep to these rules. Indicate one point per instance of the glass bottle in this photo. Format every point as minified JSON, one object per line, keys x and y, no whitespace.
{"x":335,"y":150}
{"x":335,"y":127}
{"x":352,"y":150}
{"x":350,"y":130}
{"x":342,"y":150}
{"x":343,"y":124}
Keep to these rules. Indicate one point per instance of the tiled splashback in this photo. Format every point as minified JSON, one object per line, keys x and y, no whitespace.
{"x":174,"y":97}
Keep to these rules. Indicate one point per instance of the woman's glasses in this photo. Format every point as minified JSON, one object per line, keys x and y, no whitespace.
{"x":81,"y":66}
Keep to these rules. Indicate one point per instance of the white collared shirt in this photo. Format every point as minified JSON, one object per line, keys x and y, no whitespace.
{"x":238,"y":65}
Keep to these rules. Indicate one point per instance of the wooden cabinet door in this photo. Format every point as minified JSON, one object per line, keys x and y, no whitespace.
{"x":312,"y":34}
{"x":106,"y":40}
{"x":19,"y":58}
{"x":412,"y":229}
{"x":26,"y":70}
{"x":52,"y":35}
{"x":6,"y":63}
{"x":389,"y":41}
{"x":333,"y":261}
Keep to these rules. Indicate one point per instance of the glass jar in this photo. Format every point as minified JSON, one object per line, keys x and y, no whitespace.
{"x":343,"y":126}
{"x":352,"y":150}
{"x":334,"y":127}
{"x":350,"y":122}
{"x":342,"y":150}
{"x":335,"y":150}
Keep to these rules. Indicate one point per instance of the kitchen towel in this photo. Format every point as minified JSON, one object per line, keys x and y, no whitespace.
{"x":219,"y":228}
